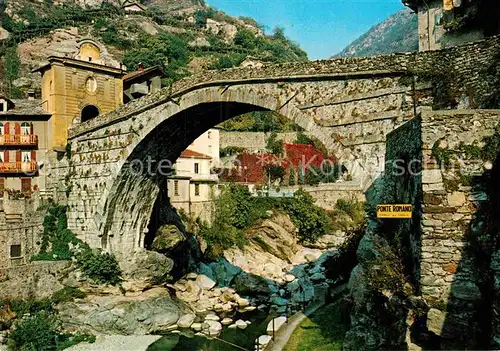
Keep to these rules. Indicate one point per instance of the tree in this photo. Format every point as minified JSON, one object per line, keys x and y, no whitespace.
{"x":245,"y":38}
{"x":313,"y":175}
{"x":300,"y":177}
{"x":303,"y":139}
{"x":274,"y":145}
{"x":12,"y":63}
{"x":291,"y":176}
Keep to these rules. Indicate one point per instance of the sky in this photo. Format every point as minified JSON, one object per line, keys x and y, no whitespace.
{"x":321,"y":27}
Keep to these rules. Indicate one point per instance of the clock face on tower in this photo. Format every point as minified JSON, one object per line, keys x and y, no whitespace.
{"x":91,"y":85}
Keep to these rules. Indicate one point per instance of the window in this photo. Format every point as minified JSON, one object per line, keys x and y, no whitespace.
{"x":26,"y":156}
{"x":2,"y":185}
{"x":176,"y":187}
{"x":2,"y":128}
{"x":25,"y":185}
{"x":209,"y":135}
{"x":15,"y":251}
{"x":197,"y":189}
{"x":2,"y":156}
{"x":1,"y":106}
{"x":25,"y":128}
{"x":196,"y":168}
{"x":210,"y":149}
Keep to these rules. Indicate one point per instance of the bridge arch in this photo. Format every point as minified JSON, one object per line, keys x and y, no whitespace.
{"x":159,"y":136}
{"x":105,"y":185}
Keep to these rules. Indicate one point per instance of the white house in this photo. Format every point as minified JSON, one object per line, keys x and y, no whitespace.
{"x":192,"y":188}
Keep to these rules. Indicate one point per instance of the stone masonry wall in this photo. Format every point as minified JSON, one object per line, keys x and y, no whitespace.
{"x":252,"y":141}
{"x":449,"y":275}
{"x":19,"y":225}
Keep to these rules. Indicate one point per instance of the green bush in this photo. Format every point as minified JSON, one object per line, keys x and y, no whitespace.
{"x":245,"y":38}
{"x":274,"y":145}
{"x":201,"y":16}
{"x":101,"y":267}
{"x":34,"y":333}
{"x":311,"y":220}
{"x":228,"y":61}
{"x":56,"y":235}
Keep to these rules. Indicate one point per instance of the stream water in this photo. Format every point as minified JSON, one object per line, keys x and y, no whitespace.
{"x":244,"y":338}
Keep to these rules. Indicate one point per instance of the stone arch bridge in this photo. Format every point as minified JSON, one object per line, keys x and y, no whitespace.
{"x":348,"y":104}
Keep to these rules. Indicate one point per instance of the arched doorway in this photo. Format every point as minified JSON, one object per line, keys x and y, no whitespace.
{"x":89,"y":112}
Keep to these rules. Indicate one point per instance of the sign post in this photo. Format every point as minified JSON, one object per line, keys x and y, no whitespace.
{"x":394,"y":211}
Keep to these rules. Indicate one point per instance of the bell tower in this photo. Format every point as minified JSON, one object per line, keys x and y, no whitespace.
{"x":79,"y":88}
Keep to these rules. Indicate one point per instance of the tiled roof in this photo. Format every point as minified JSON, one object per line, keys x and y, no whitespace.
{"x":133,"y":75}
{"x":26,"y":107}
{"x":193,"y":154}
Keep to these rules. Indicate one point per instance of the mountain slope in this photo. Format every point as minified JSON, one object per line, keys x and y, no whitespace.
{"x":182,"y":36}
{"x":398,"y":33}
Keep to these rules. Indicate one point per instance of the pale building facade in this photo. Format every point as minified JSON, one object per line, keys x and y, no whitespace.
{"x":192,"y":188}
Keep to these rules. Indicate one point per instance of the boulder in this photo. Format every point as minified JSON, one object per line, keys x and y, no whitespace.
{"x":204,"y":282}
{"x":249,"y":284}
{"x":263,"y":340}
{"x":435,"y":321}
{"x":241,"y":324}
{"x":4,"y":34}
{"x":212,"y":327}
{"x":279,"y":301}
{"x":144,"y":268}
{"x":212,"y":317}
{"x":226,"y":321}
{"x":167,"y":238}
{"x":301,"y":290}
{"x":196,"y":326}
{"x":289,"y":278}
{"x":275,"y":324}
{"x":224,"y":272}
{"x":153,"y":311}
{"x":276,"y":236}
{"x":186,"y":321}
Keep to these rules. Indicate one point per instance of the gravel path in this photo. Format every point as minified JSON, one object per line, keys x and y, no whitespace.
{"x":117,"y":343}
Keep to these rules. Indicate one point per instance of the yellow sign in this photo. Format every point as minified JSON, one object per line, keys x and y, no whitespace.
{"x":394,"y":211}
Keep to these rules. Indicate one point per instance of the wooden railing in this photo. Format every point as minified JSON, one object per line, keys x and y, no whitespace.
{"x":19,"y":139}
{"x":18,"y":167}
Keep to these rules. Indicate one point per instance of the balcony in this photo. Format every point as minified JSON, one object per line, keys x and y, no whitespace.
{"x":17,"y":167}
{"x":18,"y":140}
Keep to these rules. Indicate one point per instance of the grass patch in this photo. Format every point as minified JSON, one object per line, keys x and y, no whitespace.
{"x":322,"y":331}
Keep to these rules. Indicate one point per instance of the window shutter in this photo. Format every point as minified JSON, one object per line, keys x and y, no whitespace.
{"x":17,"y":129}
{"x":7,"y":128}
{"x":33,"y":156}
{"x":6,"y":156}
{"x":32,"y":129}
{"x":18,"y":156}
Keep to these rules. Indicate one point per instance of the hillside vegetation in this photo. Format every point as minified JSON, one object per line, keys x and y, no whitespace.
{"x":398,"y":33}
{"x":181,"y":36}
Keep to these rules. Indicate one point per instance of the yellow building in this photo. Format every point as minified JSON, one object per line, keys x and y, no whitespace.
{"x":79,"y":88}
